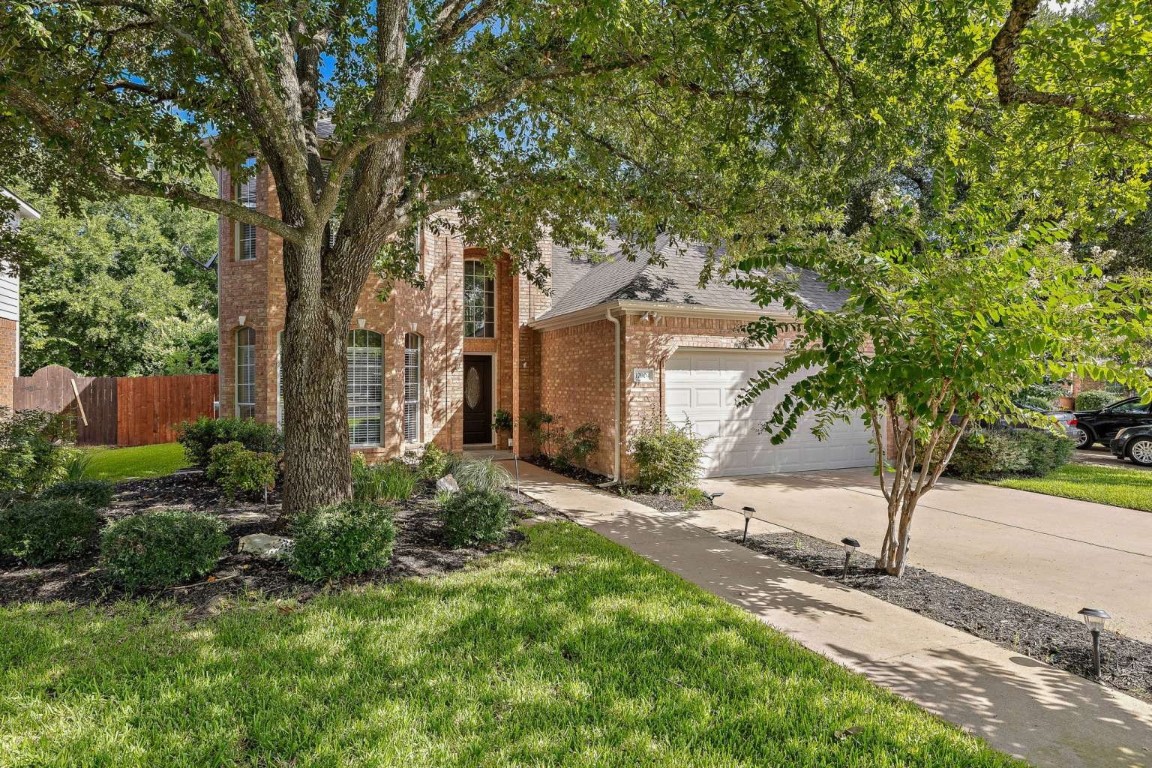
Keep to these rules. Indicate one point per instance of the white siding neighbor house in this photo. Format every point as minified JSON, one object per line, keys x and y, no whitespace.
{"x":10,"y":306}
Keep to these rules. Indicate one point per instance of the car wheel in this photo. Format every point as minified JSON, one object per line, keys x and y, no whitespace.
{"x":1140,"y":451}
{"x":1084,"y":438}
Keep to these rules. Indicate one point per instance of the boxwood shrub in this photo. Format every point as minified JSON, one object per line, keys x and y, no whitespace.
{"x":1095,"y":399}
{"x":46,"y":530}
{"x":94,"y":493}
{"x":200,"y":436}
{"x":341,"y":540}
{"x":990,"y":454}
{"x":162,"y":548}
{"x":668,"y":456}
{"x":476,"y":517}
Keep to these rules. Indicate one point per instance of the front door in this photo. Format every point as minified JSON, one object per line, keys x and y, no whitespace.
{"x":477,"y":400}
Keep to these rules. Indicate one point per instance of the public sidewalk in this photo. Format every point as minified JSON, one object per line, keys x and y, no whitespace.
{"x":1051,"y":718}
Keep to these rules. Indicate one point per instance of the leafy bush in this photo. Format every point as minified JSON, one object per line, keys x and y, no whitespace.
{"x":341,"y":540}
{"x":46,"y":530}
{"x":480,"y":476}
{"x":1095,"y":399}
{"x":238,"y":470}
{"x":476,"y":517}
{"x":162,"y":548}
{"x":1042,"y":396}
{"x":93,"y":493}
{"x":576,"y":446}
{"x":200,"y":436}
{"x":667,"y":456}
{"x":502,"y":421}
{"x":537,"y":426}
{"x":388,"y":481}
{"x":434,"y":462}
{"x":31,"y":455}
{"x":988,"y":454}
{"x":75,"y":465}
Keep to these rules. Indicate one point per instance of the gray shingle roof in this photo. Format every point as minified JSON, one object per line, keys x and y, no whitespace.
{"x":579,"y":284}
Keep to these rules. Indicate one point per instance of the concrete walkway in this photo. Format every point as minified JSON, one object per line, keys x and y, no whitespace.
{"x":1057,"y":554}
{"x":1051,"y":718}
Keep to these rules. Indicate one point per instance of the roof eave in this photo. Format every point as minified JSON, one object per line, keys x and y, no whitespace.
{"x":598,"y":311}
{"x":25,"y":210}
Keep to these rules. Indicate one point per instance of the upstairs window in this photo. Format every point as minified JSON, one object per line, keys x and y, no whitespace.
{"x":246,"y":233}
{"x":245,"y":373}
{"x":413,"y":351}
{"x":479,"y":300}
{"x":365,"y":387}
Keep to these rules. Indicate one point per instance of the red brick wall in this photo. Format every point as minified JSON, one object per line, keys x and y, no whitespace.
{"x":9,"y":342}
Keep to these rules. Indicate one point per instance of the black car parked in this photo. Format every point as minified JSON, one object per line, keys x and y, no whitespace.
{"x":1102,"y":425}
{"x":1134,"y":443}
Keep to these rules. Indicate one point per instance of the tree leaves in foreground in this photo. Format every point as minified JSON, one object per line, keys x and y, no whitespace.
{"x":108,"y":291}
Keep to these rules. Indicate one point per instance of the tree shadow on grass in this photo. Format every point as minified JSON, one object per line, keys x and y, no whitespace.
{"x":569,"y":651}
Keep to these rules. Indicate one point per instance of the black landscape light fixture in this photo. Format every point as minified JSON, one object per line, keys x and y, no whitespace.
{"x":749,"y":513}
{"x":713,"y":496}
{"x":1095,"y":619}
{"x":850,"y":547}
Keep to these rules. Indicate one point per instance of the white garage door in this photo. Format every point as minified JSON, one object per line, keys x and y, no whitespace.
{"x":704,"y":385}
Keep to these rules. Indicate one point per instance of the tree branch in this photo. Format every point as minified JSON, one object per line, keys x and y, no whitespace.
{"x":1002,"y":53}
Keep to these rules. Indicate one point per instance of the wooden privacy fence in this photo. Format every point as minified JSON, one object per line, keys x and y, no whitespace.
{"x":138,"y":410}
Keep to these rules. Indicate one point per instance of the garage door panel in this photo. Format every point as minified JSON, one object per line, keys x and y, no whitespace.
{"x":704,"y":386}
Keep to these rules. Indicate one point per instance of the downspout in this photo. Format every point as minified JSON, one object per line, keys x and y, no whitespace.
{"x":616,"y":395}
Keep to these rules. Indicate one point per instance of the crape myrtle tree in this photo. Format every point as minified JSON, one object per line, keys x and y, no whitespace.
{"x":526,"y":117}
{"x":959,"y":282}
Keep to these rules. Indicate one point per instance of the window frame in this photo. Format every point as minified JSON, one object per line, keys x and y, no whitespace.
{"x":488,"y":323}
{"x":244,"y":233}
{"x":363,"y":408}
{"x":245,"y":409}
{"x":412,"y":408}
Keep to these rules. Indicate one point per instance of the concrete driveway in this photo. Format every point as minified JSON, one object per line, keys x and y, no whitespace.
{"x":1052,"y":553}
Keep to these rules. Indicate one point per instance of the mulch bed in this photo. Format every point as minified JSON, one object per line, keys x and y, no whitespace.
{"x":1057,"y":640}
{"x":419,"y":551}
{"x":662,"y":501}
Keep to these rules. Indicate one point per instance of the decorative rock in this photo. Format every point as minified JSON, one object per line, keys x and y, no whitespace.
{"x":265,"y":545}
{"x":448,"y":483}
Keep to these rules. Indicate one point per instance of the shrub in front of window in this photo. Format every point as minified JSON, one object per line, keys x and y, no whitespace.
{"x":342,"y":540}
{"x":162,"y":548}
{"x":1095,"y":399}
{"x":47,"y":530}
{"x":387,"y":481}
{"x":476,"y":517}
{"x":241,"y":472}
{"x":668,"y":456}
{"x":480,"y":476}
{"x":93,"y":493}
{"x":31,"y":456}
{"x":198,"y":437}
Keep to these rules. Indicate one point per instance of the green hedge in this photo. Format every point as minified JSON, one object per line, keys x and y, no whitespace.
{"x":201,"y":436}
{"x":992,"y":454}
{"x":93,"y":493}
{"x":162,"y":548}
{"x":476,"y":517}
{"x":47,"y":530}
{"x":1095,"y":399}
{"x":342,"y":540}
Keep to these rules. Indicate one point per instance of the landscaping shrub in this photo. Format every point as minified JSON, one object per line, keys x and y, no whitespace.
{"x":537,"y":426}
{"x":93,"y":493}
{"x":75,"y":465}
{"x":238,"y":470}
{"x":31,"y":455}
{"x":162,"y":548}
{"x":476,"y":517}
{"x":45,"y":530}
{"x":342,"y":540}
{"x":480,"y":476}
{"x":200,"y":436}
{"x":576,"y":446}
{"x":435,"y":462}
{"x":1095,"y":399}
{"x":990,"y":454}
{"x":667,"y":456}
{"x":388,"y":481}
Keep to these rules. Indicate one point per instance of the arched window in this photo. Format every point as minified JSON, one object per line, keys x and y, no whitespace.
{"x":479,"y":300}
{"x":413,"y":385}
{"x":245,"y":373}
{"x":365,"y":387}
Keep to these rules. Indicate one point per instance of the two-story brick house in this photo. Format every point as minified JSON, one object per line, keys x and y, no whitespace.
{"x":614,"y":343}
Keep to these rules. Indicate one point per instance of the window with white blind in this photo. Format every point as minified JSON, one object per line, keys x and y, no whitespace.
{"x":479,"y":300}
{"x":365,"y":387}
{"x":246,"y":233}
{"x":245,"y":373}
{"x":413,"y":352}
{"x":280,"y":380}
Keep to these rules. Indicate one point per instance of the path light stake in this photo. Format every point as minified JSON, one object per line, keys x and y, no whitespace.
{"x":850,"y":547}
{"x":713,"y":496}
{"x":748,"y":513}
{"x":516,"y":463}
{"x":1095,"y":618}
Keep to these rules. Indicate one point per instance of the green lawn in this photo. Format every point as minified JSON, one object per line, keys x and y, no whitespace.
{"x":566,"y":651}
{"x":139,"y":461}
{"x":1119,"y":486}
